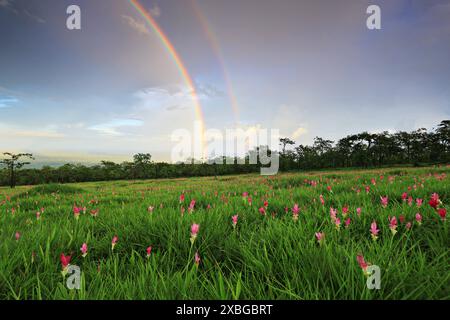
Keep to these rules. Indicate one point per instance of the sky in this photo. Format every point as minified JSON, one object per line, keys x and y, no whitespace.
{"x":307,"y":68}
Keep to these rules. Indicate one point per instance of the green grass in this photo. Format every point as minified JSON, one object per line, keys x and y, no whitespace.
{"x":265,"y":257}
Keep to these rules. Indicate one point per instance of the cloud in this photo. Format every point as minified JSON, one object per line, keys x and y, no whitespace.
{"x":7,"y":101}
{"x":170,"y":98}
{"x":140,"y":27}
{"x":33,"y":16}
{"x":112,"y":128}
{"x":155,"y":11}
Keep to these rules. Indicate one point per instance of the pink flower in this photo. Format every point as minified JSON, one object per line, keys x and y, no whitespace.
{"x":337,"y":223}
{"x":329,"y":188}
{"x":434,"y":201}
{"x":295,"y":211}
{"x":235,"y":220}
{"x":347,"y":222}
{"x":245,"y":195}
{"x":266,"y":203}
{"x":410,"y":201}
{"x":249,"y":200}
{"x":262,"y":211}
{"x":194,"y":232}
{"x":191,"y":206}
{"x":333,"y":213}
{"x":197,"y":259}
{"x":76,"y":212}
{"x":17,"y":236}
{"x":94,"y":212}
{"x":358,"y":211}
{"x":408,"y":226}
{"x":84,"y":249}
{"x":362,"y":263}
{"x":114,"y":242}
{"x":65,"y":262}
{"x":38,"y":215}
{"x":149,"y":251}
{"x":442,"y":213}
{"x":404,"y":196}
{"x":419,"y":218}
{"x":419,"y":202}
{"x":393,"y":225}
{"x":320,"y":236}
{"x":367,"y":189}
{"x":384,"y":201}
{"x":374,"y":231}
{"x":345,"y":211}
{"x":182,"y":198}
{"x":322,"y":201}
{"x":150,"y":209}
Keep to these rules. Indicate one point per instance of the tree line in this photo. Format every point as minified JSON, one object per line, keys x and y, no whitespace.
{"x":365,"y":150}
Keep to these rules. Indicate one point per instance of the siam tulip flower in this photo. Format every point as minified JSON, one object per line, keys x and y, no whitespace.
{"x":262,"y":211}
{"x":419,"y":202}
{"x":418,"y":219}
{"x":76,"y":212}
{"x":384,"y":201}
{"x":329,"y":189}
{"x":434,"y":201}
{"x":84,"y":250}
{"x":94,"y":212}
{"x":84,"y":210}
{"x":65,"y":262}
{"x":402,"y":218}
{"x":367,"y":189}
{"x":197,"y":259}
{"x":404,"y":196}
{"x":320,"y":236}
{"x":333,"y":213}
{"x":182,"y":211}
{"x":235,"y":220}
{"x":114,"y":242}
{"x":408,"y":226}
{"x":17,"y":235}
{"x":150,"y":209}
{"x":363,"y":264}
{"x":344,"y":211}
{"x":358,"y":211}
{"x":13,"y":211}
{"x":295,"y":211}
{"x":38,"y":215}
{"x":149,"y":251}
{"x":182,"y":198}
{"x":244,"y":195}
{"x":266,"y":203}
{"x":208,"y":207}
{"x":393,"y":225}
{"x":410,"y":201}
{"x":322,"y":201}
{"x":337,"y":223}
{"x":442,"y":213}
{"x":347,"y":222}
{"x":194,"y":232}
{"x":374,"y":231}
{"x":374,"y":182}
{"x":191,"y":206}
{"x":249,"y":200}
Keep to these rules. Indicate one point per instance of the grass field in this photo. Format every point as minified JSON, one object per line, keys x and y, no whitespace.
{"x":267,"y":254}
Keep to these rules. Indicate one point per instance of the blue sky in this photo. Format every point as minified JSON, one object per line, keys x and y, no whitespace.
{"x":308,"y":68}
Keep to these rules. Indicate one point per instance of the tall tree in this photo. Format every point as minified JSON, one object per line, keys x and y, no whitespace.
{"x":13,"y":163}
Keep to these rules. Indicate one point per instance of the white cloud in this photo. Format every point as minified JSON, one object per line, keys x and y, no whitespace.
{"x":113,"y":127}
{"x":155,"y":11}
{"x":139,"y":26}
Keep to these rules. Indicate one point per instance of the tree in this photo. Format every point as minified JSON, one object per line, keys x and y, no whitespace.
{"x":13,"y":163}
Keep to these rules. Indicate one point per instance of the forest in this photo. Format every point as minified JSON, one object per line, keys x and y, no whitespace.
{"x":362,"y":150}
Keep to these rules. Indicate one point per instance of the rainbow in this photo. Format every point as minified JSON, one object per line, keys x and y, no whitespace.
{"x":214,"y":43}
{"x":178,"y":62}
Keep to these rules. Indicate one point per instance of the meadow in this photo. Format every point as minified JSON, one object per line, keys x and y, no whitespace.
{"x":307,"y":235}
